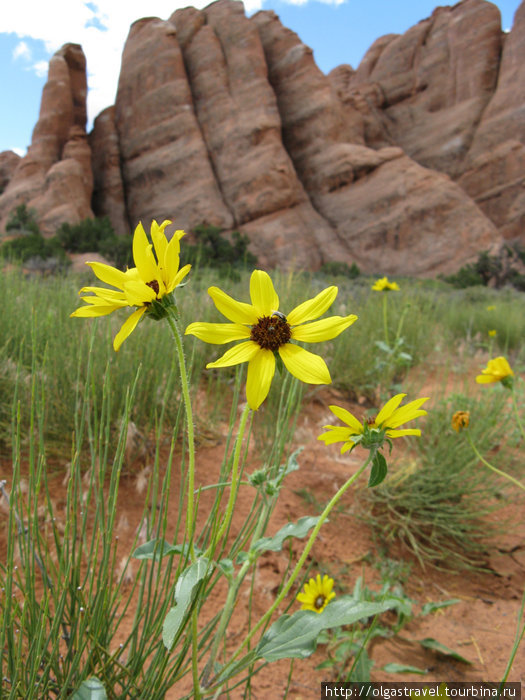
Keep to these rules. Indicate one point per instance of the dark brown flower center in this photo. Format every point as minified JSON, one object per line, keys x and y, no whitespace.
{"x":270,"y":332}
{"x":154,"y":285}
{"x":319,"y":602}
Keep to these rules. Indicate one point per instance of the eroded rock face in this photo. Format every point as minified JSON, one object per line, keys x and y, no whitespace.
{"x":412,"y":163}
{"x":9,"y":161}
{"x":239,"y":116}
{"x":494,"y":170}
{"x":108,"y":187}
{"x":387,"y":210}
{"x":55,"y":178}
{"x":434,"y":81}
{"x":164,"y":161}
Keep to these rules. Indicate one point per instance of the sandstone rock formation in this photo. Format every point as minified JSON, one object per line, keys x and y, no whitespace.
{"x":55,"y":177}
{"x":412,"y":163}
{"x":8,"y":164}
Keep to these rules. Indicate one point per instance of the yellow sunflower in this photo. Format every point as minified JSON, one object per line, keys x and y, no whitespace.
{"x":317,"y":593}
{"x":147,"y":286}
{"x":266,"y":331}
{"x":497,"y":370}
{"x":383,"y":285}
{"x":373,"y":432}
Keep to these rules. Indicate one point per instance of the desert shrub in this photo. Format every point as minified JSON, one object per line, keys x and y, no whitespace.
{"x":438,"y":504}
{"x":340,"y":269}
{"x":213,"y":249}
{"x":96,"y":235}
{"x":23,"y":221}
{"x":495,"y":269}
{"x":34,"y":247}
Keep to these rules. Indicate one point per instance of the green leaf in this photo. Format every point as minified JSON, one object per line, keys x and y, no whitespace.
{"x":295,"y":636}
{"x":226,"y":566}
{"x":91,"y":689}
{"x":156,"y":549}
{"x":298,"y":529}
{"x":403,"y":668}
{"x":185,"y":592}
{"x":383,"y":346}
{"x":433,"y":644}
{"x":379,"y":470}
{"x":360,"y":672}
{"x":432,"y":607}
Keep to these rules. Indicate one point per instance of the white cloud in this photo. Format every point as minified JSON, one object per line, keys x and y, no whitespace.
{"x":19,"y":151}
{"x":22,"y":50}
{"x":100,"y":26}
{"x":40,"y":68}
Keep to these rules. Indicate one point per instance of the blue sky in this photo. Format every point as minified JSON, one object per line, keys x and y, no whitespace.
{"x":338,"y":32}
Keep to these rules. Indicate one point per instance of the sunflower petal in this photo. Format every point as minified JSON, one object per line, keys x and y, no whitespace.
{"x":405,"y":431}
{"x":93,"y":310}
{"x":158,"y":236}
{"x":138,"y":293}
{"x":181,"y":274}
{"x":143,"y":256}
{"x":236,"y":355}
{"x":108,"y":274}
{"x":326,"y":329}
{"x":262,"y":293}
{"x":389,"y":408}
{"x":218,"y":333}
{"x":348,"y":447}
{"x":347,"y":418}
{"x":236,"y":311}
{"x":170,"y":263}
{"x":104,"y":293}
{"x":313,"y":308}
{"x":406,"y":413}
{"x":128,"y":327}
{"x":334,"y":434}
{"x":304,"y":365}
{"x":260,"y":374}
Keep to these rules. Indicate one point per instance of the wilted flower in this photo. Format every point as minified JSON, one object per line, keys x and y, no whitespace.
{"x":268,"y":333}
{"x":317,"y":593}
{"x":460,"y":420}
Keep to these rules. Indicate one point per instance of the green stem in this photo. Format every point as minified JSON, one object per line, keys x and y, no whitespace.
{"x":306,"y":551}
{"x":494,"y":469}
{"x":234,"y":476}
{"x":190,"y":516}
{"x":400,"y":324}
{"x":515,"y":647}
{"x":385,"y":317}
{"x":232,"y":594}
{"x":516,"y":412}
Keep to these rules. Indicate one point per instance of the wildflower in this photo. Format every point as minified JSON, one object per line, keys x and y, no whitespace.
{"x":491,"y":308}
{"x":147,"y":286}
{"x":268,"y":333}
{"x":497,"y":370}
{"x":373,"y":433}
{"x":317,"y":593}
{"x":383,"y":285}
{"x":460,"y":420}
{"x":493,"y":334}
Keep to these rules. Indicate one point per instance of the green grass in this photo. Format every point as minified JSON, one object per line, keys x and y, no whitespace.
{"x":439,"y":499}
{"x":66,"y":393}
{"x":36,"y":320}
